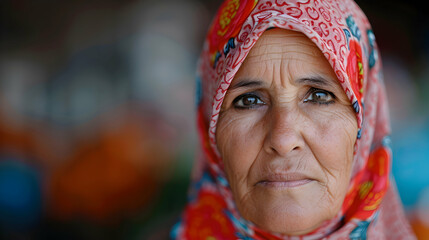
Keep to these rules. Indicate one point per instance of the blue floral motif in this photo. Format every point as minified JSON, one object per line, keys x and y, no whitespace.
{"x":353,"y":27}
{"x":348,"y":35}
{"x":175,"y":230}
{"x":371,"y":37}
{"x":222,"y":181}
{"x":198,"y":91}
{"x":242,"y":227}
{"x":356,"y":106}
{"x":205,"y":179}
{"x":242,"y":237}
{"x":359,"y":133}
{"x":216,"y":59}
{"x":360,"y":232}
{"x":373,"y":56}
{"x":387,"y":142}
{"x":230,"y":44}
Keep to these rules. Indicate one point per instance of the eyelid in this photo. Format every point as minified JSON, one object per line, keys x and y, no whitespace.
{"x":255,"y":93}
{"x":314,"y":90}
{"x":248,"y":94}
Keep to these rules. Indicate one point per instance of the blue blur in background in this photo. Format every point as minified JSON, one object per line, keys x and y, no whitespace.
{"x":20,"y":195}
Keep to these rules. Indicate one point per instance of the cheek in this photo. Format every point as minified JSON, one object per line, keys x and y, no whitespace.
{"x":340,"y":132}
{"x":333,"y":147}
{"x":239,"y":139}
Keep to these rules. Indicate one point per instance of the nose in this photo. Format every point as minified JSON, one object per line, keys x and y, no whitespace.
{"x":284,"y":132}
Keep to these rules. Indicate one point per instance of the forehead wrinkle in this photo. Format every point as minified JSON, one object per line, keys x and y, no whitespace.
{"x":285,"y":74}
{"x":275,"y":51}
{"x":306,"y":50}
{"x":279,"y":55}
{"x":267,"y":41}
{"x":278,"y":72}
{"x":281,"y":41}
{"x":278,"y":35}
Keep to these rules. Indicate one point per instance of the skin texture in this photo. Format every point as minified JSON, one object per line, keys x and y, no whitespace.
{"x":286,"y":134}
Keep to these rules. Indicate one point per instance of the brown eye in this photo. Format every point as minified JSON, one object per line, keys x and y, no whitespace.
{"x":320,"y":96}
{"x":247,"y":101}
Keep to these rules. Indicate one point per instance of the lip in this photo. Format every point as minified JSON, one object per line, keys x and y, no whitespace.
{"x":285,"y":180}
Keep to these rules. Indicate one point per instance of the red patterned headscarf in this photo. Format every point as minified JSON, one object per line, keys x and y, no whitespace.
{"x":371,"y":208}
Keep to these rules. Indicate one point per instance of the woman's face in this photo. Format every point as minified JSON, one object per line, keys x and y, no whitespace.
{"x":286,"y":134}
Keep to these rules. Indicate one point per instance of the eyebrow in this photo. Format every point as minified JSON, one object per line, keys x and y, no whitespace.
{"x":246,"y":83}
{"x":319,"y":81}
{"x":316,"y":80}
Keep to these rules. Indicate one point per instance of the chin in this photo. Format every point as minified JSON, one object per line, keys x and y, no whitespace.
{"x":288,"y":212}
{"x":289,"y":219}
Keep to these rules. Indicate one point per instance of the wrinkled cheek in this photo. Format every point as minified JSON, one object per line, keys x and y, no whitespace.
{"x":239,"y":144}
{"x":337,"y":155}
{"x":334,"y":149}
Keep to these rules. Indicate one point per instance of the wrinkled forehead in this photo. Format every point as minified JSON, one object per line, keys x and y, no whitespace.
{"x":283,"y":56}
{"x":280,"y":44}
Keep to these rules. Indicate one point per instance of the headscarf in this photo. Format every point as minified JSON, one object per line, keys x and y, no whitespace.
{"x":371,"y":208}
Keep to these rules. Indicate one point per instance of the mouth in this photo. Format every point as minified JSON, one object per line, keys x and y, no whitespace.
{"x":286,"y":180}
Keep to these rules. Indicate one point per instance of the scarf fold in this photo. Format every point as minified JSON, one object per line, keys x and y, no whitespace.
{"x":371,"y":208}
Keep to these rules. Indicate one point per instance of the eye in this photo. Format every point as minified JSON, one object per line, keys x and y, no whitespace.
{"x":247,"y":100}
{"x":319,"y":96}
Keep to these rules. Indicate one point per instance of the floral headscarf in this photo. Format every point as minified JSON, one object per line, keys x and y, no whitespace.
{"x":371,"y":208}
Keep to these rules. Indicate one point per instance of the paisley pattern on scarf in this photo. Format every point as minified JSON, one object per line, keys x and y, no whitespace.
{"x":343,"y":34}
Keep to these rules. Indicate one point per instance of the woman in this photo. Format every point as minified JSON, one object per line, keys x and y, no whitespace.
{"x":294,"y":125}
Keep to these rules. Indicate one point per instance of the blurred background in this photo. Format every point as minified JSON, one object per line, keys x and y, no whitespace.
{"x":97,"y":134}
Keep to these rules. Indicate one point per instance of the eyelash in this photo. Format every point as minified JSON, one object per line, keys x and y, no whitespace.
{"x":260,"y":102}
{"x":318,"y":90}
{"x":241,"y":97}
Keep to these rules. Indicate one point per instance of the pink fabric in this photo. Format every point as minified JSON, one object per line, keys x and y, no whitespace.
{"x":342,"y":32}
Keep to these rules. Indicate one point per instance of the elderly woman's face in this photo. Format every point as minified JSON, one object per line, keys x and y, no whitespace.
{"x":286,"y":133}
